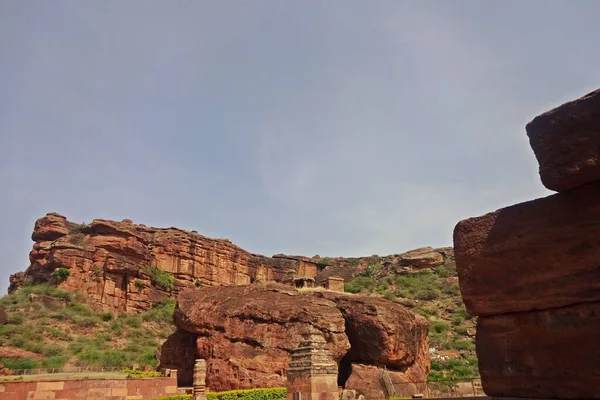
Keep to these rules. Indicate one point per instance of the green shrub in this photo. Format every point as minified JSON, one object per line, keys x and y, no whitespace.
{"x":160,"y":312}
{"x":439,"y":327}
{"x":106,"y":316}
{"x":249,"y":394}
{"x":198,"y":283}
{"x":78,"y":228}
{"x":457,"y":319}
{"x":149,"y":358}
{"x":58,"y":333}
{"x":323,"y":262}
{"x":19,"y":363}
{"x":460,"y":344}
{"x":55,"y":362}
{"x":104,"y":358}
{"x":16,"y":318}
{"x":162,"y":279}
{"x":136,"y":373}
{"x":139,"y":284}
{"x":454,"y":369}
{"x":60,"y":274}
{"x":360,"y":284}
{"x":427,"y":294}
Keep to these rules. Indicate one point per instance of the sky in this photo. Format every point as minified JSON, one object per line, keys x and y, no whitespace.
{"x":338,"y":128}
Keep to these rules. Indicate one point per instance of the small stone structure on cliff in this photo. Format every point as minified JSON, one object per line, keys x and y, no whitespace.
{"x":247,"y":335}
{"x":531,"y":271}
{"x":313,"y":373}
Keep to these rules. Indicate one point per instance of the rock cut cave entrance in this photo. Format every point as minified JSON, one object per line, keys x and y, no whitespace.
{"x":344,"y":370}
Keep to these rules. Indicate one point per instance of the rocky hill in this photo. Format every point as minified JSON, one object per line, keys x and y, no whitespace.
{"x":117,"y":272}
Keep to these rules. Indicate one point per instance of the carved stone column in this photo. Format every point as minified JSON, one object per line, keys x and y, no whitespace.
{"x":200,"y":380}
{"x":313,"y":373}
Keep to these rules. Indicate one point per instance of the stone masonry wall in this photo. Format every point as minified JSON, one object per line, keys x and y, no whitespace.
{"x":109,"y":389}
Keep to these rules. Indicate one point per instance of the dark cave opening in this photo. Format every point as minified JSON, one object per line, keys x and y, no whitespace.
{"x":344,"y":370}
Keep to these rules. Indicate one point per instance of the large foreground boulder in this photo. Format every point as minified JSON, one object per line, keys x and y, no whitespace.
{"x":566,"y":142}
{"x":247,"y":333}
{"x":531,"y":256}
{"x":542,"y":354}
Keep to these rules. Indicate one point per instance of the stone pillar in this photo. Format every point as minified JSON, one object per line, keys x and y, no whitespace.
{"x":200,"y":380}
{"x":313,"y":373}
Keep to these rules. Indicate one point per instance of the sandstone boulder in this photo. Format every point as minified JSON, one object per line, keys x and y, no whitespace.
{"x":425,"y":257}
{"x":247,"y":334}
{"x":542,"y":354}
{"x":566,"y":142}
{"x":531,"y":256}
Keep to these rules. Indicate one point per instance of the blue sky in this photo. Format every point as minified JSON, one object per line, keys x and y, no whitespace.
{"x":307,"y":127}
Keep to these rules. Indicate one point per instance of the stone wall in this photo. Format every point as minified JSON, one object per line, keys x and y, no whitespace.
{"x":113,"y":389}
{"x":531,"y":271}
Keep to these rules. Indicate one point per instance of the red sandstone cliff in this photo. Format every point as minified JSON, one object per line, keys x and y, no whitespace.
{"x":108,"y":261}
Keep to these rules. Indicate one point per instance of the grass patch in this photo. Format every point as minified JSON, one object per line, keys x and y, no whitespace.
{"x":77,"y":335}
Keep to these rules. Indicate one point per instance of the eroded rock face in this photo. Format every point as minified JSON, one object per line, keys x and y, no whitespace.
{"x":542,"y":354}
{"x":531,"y":256}
{"x":107,"y":260}
{"x":566,"y":142}
{"x":247,"y":334}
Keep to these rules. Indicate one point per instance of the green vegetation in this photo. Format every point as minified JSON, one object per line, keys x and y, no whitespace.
{"x":139,"y":284}
{"x":198,"y":283}
{"x":60,"y":274}
{"x":78,"y":336}
{"x":248,"y":394}
{"x":323,"y":262}
{"x":19,"y":363}
{"x":435,"y":295}
{"x":78,"y":228}
{"x":136,"y":373}
{"x":161,"y":279}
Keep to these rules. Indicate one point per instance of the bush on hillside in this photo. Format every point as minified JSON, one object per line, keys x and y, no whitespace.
{"x":19,"y":363}
{"x":60,"y":274}
{"x":162,"y":279}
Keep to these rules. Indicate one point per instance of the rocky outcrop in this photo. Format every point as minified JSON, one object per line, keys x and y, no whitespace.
{"x":247,"y":334}
{"x":532,"y":256}
{"x":410,"y":261}
{"x":530,"y":271}
{"x":120,"y":266}
{"x":116,"y":263}
{"x":566,"y":142}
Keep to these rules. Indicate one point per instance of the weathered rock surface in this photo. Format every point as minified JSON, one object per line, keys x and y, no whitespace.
{"x":247,"y":334}
{"x":536,"y":255}
{"x":566,"y":142}
{"x":367,"y":379}
{"x":543,"y":354}
{"x":107,"y":260}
